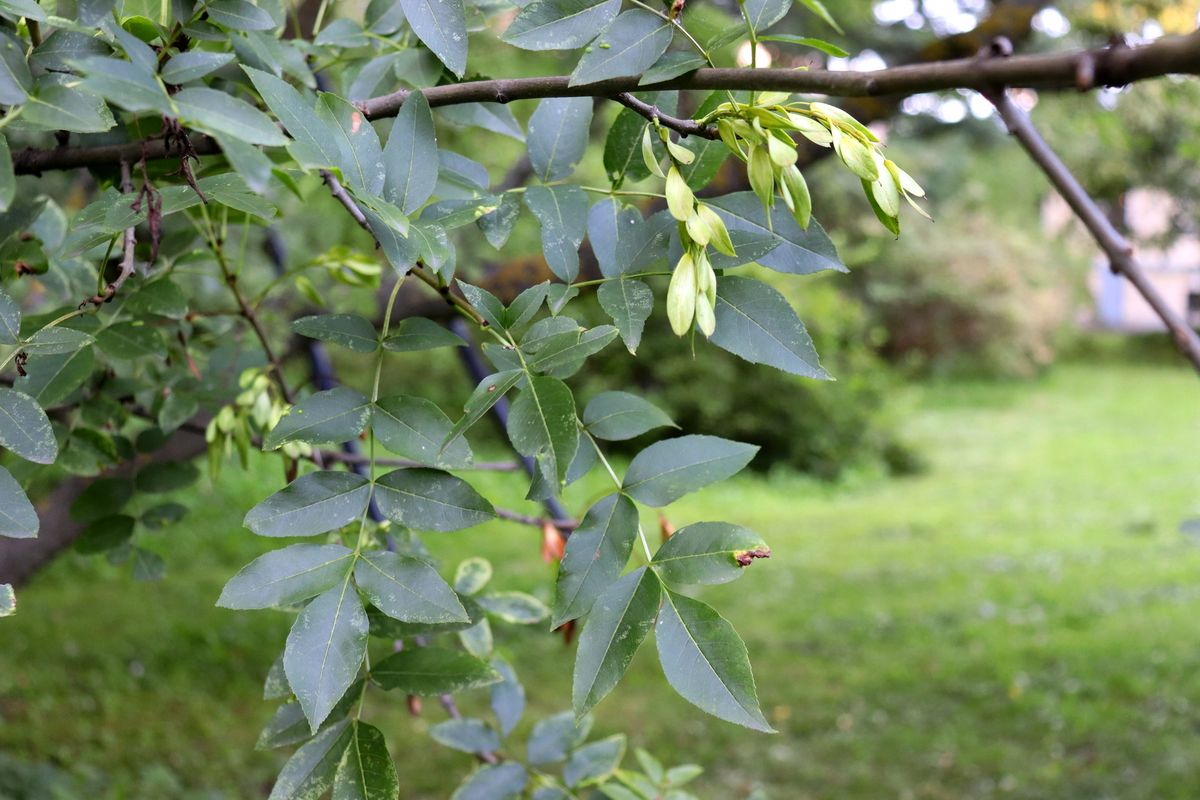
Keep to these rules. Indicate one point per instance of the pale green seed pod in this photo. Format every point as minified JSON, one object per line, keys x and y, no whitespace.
{"x":680,"y":153}
{"x":782,"y":154}
{"x":681,"y":295}
{"x":706,"y":317}
{"x":761,"y":173}
{"x":680,"y":200}
{"x":811,"y":129}
{"x":885,"y":189}
{"x":719,"y":234}
{"x":648,"y":154}
{"x":706,"y":278}
{"x":855,"y":155}
{"x":726,"y":131}
{"x":697,"y":228}
{"x":797,"y":192}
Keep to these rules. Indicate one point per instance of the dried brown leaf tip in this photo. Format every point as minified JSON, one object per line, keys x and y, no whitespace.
{"x":744,"y":557}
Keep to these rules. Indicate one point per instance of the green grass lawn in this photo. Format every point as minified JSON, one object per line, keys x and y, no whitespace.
{"x":1018,"y":621}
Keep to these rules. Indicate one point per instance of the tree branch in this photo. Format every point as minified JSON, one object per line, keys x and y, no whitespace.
{"x":1115,"y":246}
{"x":1107,"y":66}
{"x":1113,"y":66}
{"x":685,"y":127}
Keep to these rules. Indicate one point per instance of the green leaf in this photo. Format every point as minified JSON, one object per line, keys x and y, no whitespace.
{"x":516,"y":608}
{"x":56,"y":341}
{"x":167,"y":476}
{"x":23,"y":8}
{"x":818,"y":8}
{"x":441,"y":25}
{"x":596,"y":553}
{"x":193,"y":65}
{"x":105,"y":534}
{"x":497,"y":226}
{"x":493,"y":782}
{"x":807,"y":41}
{"x":25,"y":428}
{"x":211,"y":110}
{"x":541,"y":425}
{"x":629,"y":46}
{"x":407,"y":589}
{"x":558,"y":136}
{"x":288,"y":726}
{"x":51,"y":379}
{"x":609,"y":222}
{"x":565,"y":352}
{"x":562,"y":212}
{"x":706,"y":662}
{"x":10,"y":317}
{"x":594,"y":761}
{"x":486,"y":394}
{"x":329,"y":417}
{"x":240,"y":15}
{"x":507,"y":697}
{"x":472,"y":575}
{"x":15,"y":78}
{"x":419,"y":333}
{"x":415,"y":428}
{"x":324,"y":650}
{"x":348,"y":330}
{"x":799,"y":251}
{"x":755,"y":322}
{"x":617,"y":416}
{"x":367,"y":771}
{"x":314,"y":503}
{"x":466,"y":735}
{"x":667,"y":470}
{"x":309,"y":773}
{"x":708,"y":552}
{"x":18,"y":518}
{"x":287,"y":576}
{"x":616,"y":626}
{"x":129,"y":85}
{"x":411,"y":156}
{"x":60,"y":103}
{"x":315,"y":134}
{"x":249,"y":161}
{"x":131,"y":340}
{"x":553,"y":738}
{"x":430,"y":500}
{"x":432,"y":671}
{"x":672,"y":65}
{"x":525,"y":306}
{"x":629,"y":302}
{"x":489,"y":116}
{"x":486,"y":303}
{"x":8,"y":600}
{"x":162,"y":298}
{"x":560,"y":24}
{"x":762,"y":14}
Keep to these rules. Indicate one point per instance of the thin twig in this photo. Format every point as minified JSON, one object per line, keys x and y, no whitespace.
{"x":1115,"y":246}
{"x":1106,"y":67}
{"x":529,"y":519}
{"x":686,"y":127}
